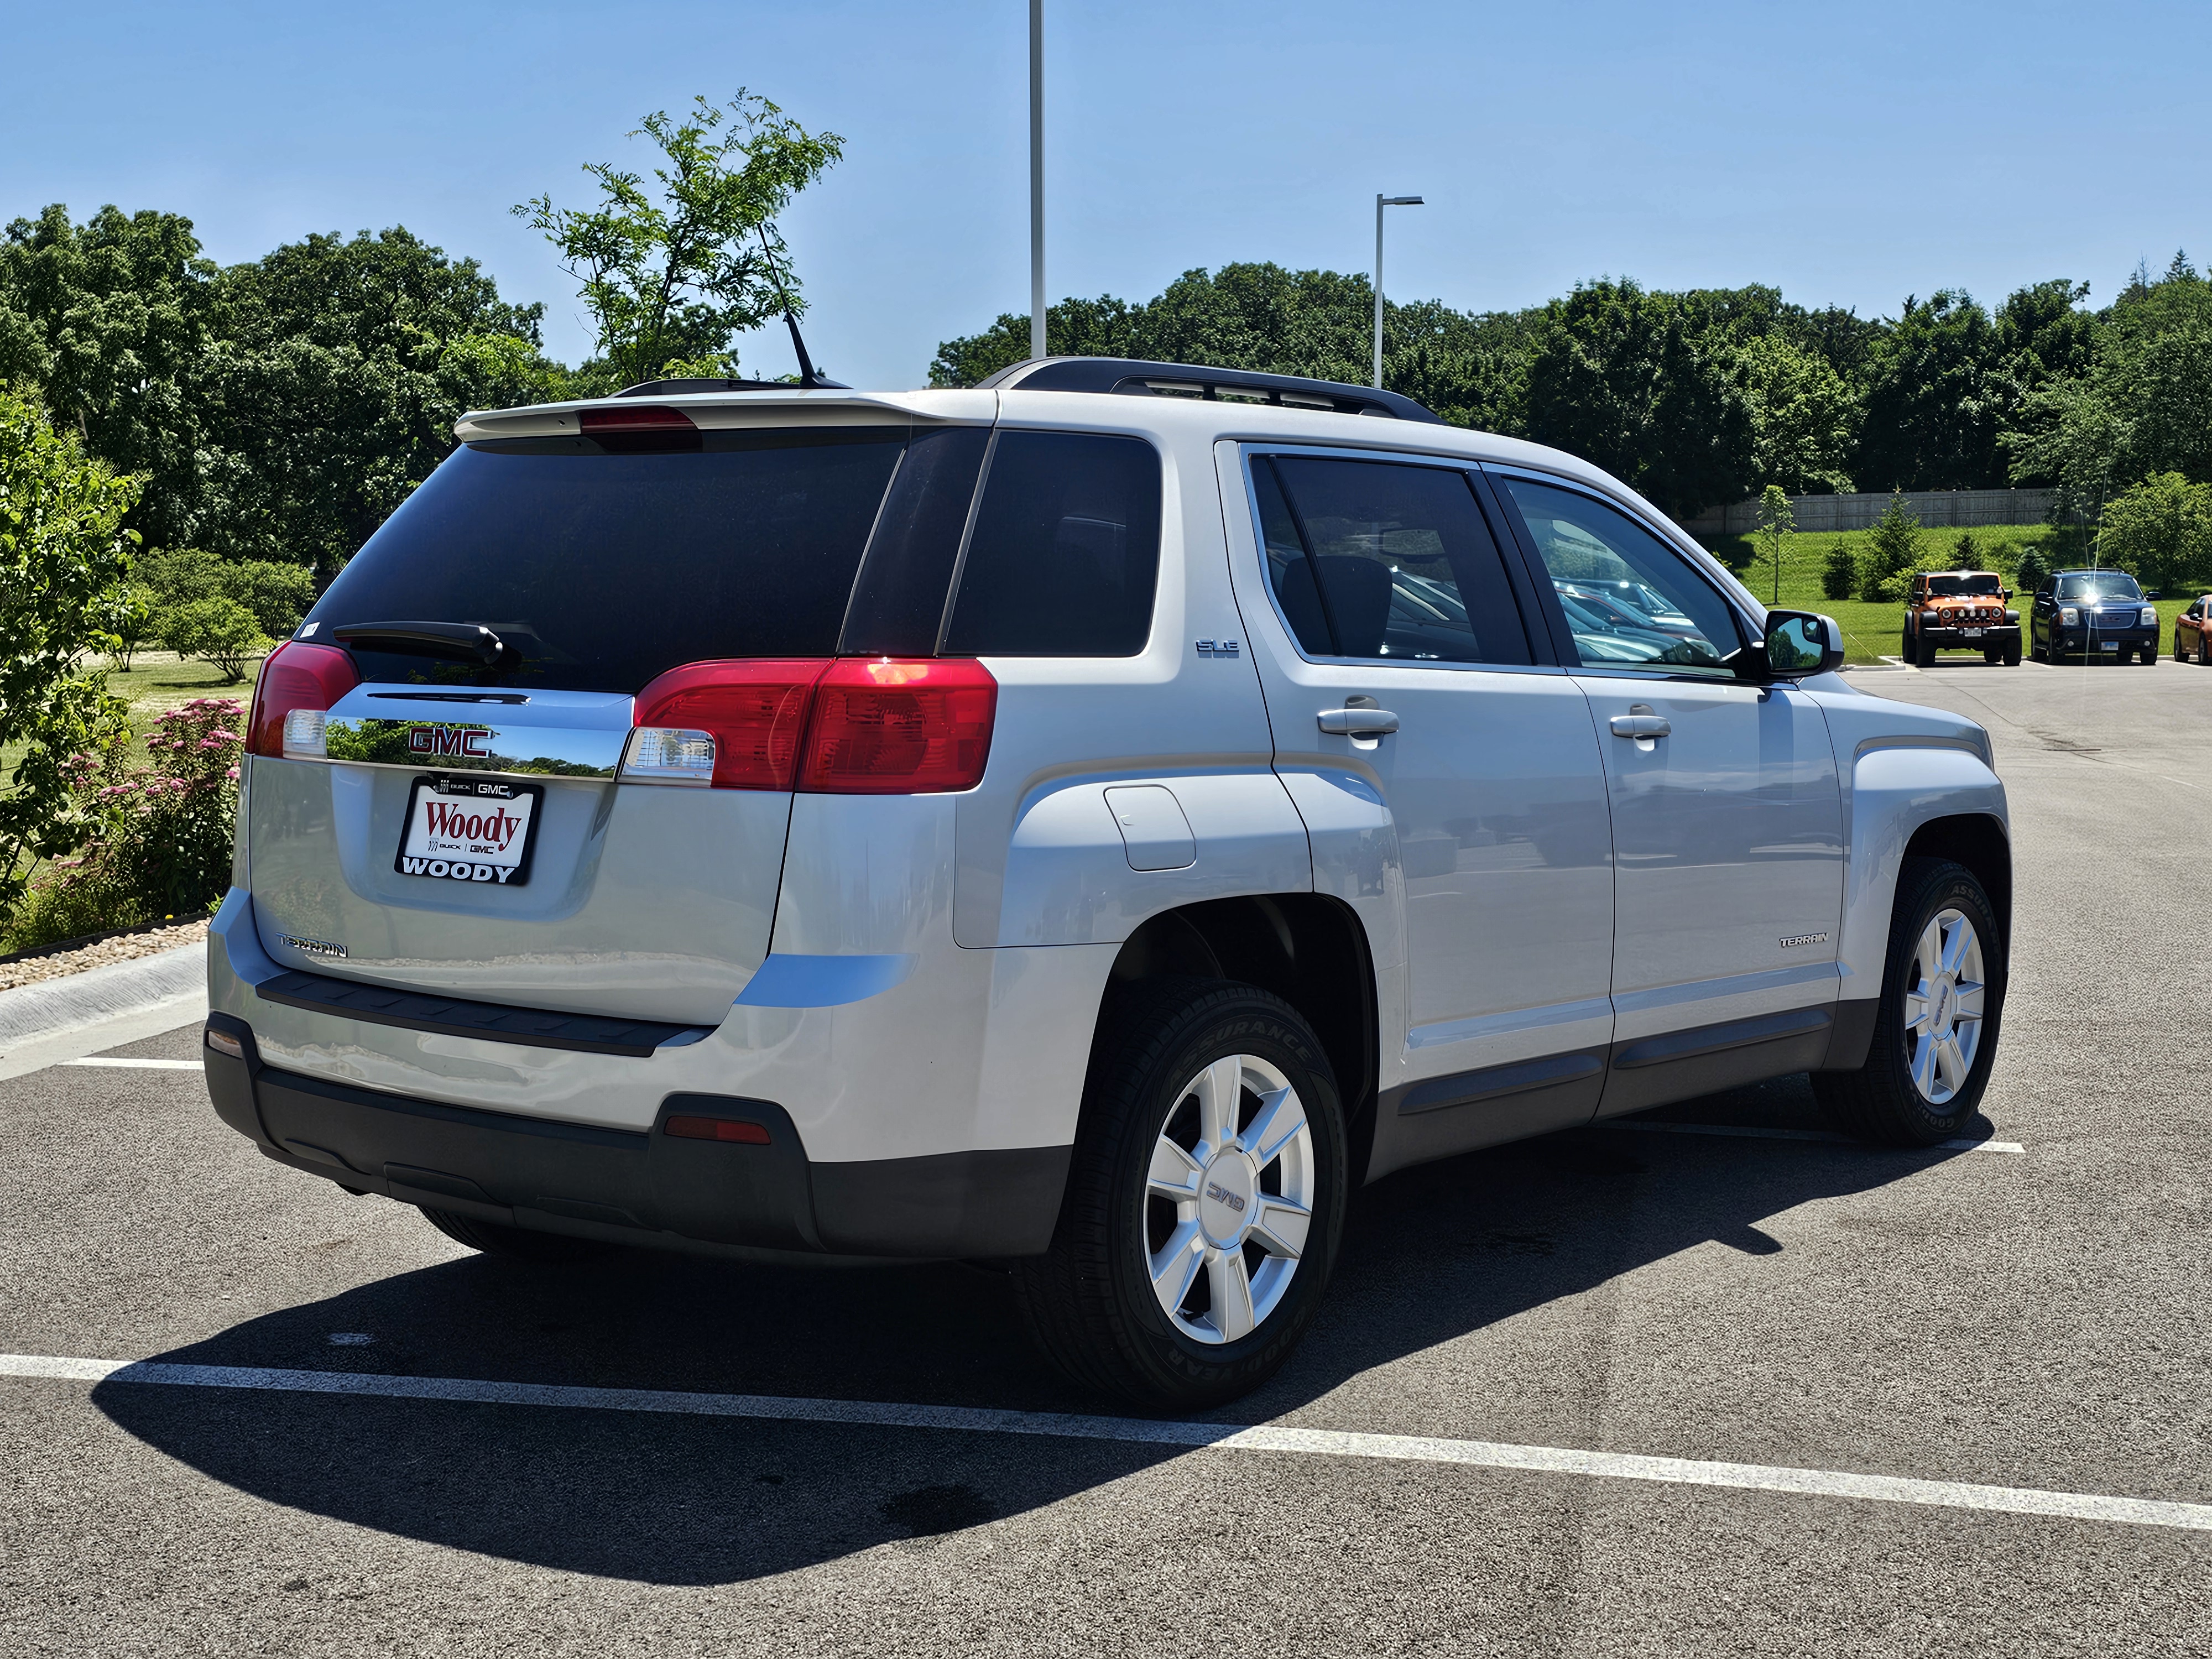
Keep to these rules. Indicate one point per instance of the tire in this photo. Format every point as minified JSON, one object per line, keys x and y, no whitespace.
{"x":2012,"y":655}
{"x":2150,"y":656}
{"x":1157,"y":1070}
{"x":1923,"y":654}
{"x":2035,"y":651}
{"x":2180,"y":651}
{"x":515,"y":1243}
{"x":1885,"y":1099}
{"x":1992,"y":655}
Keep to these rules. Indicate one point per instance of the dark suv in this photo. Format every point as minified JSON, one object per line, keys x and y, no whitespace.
{"x":2099,"y":613}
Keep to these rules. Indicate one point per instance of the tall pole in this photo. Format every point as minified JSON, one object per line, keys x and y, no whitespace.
{"x":1037,"y":178}
{"x":1382,"y":202}
{"x":1378,"y":290}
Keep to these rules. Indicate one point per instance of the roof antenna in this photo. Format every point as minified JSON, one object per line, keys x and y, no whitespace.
{"x":809,"y":376}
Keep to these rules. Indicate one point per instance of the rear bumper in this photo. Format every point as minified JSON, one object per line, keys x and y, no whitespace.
{"x":639,"y":1187}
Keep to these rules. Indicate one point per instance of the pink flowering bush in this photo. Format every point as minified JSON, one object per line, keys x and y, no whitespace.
{"x":157,"y":837}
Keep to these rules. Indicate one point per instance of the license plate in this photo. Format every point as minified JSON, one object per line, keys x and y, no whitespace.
{"x":2109,"y":645}
{"x":1970,"y":633}
{"x":473,"y":830}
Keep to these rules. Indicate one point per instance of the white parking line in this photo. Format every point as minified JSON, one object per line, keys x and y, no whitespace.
{"x":142,"y":1065}
{"x":1216,"y":1437}
{"x":1802,"y":1134}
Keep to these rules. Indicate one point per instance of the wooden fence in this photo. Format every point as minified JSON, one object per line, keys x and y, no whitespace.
{"x":1936,"y":509}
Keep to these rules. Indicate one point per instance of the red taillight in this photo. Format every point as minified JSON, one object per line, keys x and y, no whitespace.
{"x":756,"y":712}
{"x":899,"y":727}
{"x":296,"y":675}
{"x":848,"y":728}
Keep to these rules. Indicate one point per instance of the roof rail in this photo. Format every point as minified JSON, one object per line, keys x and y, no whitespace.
{"x":1131,"y":377}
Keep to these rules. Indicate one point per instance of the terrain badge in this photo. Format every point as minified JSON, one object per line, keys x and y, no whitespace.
{"x":1795,"y":940}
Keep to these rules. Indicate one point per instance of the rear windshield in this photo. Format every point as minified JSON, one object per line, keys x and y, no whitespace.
{"x":603,"y":570}
{"x":1941,"y":585}
{"x":2099,"y":584}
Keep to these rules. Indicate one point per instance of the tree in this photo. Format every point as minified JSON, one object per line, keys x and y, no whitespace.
{"x":2161,"y":532}
{"x":670,"y":281}
{"x":1839,"y":572}
{"x":1804,"y":420}
{"x":1893,"y":548}
{"x":109,"y":320}
{"x":63,"y":556}
{"x":1627,"y":379}
{"x":1931,"y":417}
{"x":1776,"y":520}
{"x":334,"y":387}
{"x":223,"y":612}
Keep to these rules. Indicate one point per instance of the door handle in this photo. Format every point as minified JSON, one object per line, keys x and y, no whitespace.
{"x":1357,"y":722}
{"x":1640,"y":726}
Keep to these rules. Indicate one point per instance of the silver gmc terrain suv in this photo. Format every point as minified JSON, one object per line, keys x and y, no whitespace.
{"x":1089,"y":823}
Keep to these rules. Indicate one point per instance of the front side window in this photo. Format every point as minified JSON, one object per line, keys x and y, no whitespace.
{"x":1384,"y":561}
{"x":1631,"y":600}
{"x":1065,"y":554}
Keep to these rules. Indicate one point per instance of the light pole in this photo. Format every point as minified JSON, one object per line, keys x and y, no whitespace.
{"x":1037,"y":178}
{"x":1381,"y":202}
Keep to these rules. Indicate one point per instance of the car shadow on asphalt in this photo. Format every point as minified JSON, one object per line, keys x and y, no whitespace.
{"x":1433,"y":1255}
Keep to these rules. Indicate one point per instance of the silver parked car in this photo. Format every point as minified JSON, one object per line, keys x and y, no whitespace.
{"x":1091,"y":824}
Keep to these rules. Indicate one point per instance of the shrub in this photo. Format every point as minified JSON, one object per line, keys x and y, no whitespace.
{"x":217,"y":630}
{"x":1891,"y":549}
{"x":1965,"y":556}
{"x":2160,"y":531}
{"x":161,"y":839}
{"x":223,"y":612}
{"x":1839,"y":575}
{"x":63,"y":556}
{"x":2032,"y":571}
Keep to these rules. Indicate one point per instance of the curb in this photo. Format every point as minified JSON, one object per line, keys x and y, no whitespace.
{"x":51,"y":1006}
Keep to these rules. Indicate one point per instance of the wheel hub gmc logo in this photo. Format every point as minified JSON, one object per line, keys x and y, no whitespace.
{"x":1215,"y":1190}
{"x":473,"y":741}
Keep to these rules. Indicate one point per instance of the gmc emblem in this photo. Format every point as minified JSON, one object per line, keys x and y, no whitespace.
{"x":1220,"y":1193}
{"x":469,"y":740}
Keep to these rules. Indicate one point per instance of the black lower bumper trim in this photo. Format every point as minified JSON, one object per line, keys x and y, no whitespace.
{"x":416,"y":1011}
{"x":641,"y":1187}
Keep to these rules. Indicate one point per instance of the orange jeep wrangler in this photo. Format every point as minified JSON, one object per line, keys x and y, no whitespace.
{"x":1960,"y":610}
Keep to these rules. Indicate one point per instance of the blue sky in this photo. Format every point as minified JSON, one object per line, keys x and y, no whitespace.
{"x":1850,"y":154}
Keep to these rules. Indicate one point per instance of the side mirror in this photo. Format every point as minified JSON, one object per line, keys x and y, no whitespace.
{"x":2004,"y":593}
{"x":1799,"y":643}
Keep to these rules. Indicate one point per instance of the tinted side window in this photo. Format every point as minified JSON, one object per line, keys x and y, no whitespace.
{"x":898,"y":600}
{"x":1066,"y":551}
{"x":1378,"y":559}
{"x":1631,"y":601}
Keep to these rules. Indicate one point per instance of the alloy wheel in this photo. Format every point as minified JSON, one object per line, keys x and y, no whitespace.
{"x":1943,"y":1006}
{"x":1229,"y":1198}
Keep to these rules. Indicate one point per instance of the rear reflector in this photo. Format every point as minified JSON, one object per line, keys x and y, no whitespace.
{"x":741,"y":1131}
{"x":298,"y":679}
{"x":898,"y":727}
{"x":751,"y":715}
{"x":223,"y":1043}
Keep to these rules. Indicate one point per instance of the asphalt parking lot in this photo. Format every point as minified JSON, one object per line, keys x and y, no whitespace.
{"x":2032,"y":1319}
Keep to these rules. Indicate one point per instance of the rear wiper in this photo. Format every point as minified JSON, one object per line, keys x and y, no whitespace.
{"x":448,"y":641}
